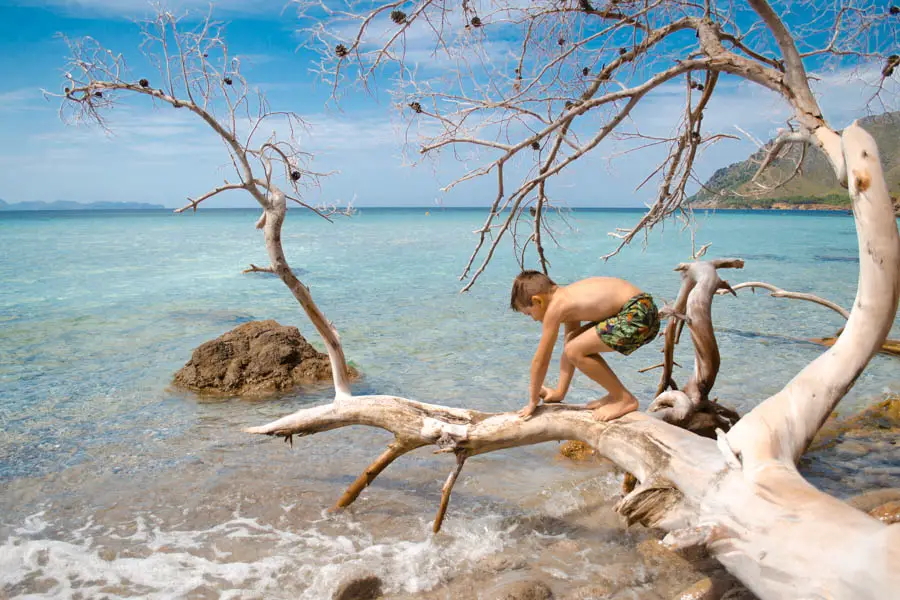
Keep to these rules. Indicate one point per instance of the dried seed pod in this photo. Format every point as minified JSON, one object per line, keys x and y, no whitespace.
{"x":144,"y":83}
{"x":295,"y":175}
{"x":398,"y":17}
{"x":341,"y":51}
{"x":417,"y":108}
{"x":535,"y":145}
{"x":892,"y":61}
{"x":476,"y":22}
{"x":228,"y":81}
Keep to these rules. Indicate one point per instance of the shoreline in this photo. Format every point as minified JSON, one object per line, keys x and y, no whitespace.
{"x":779,"y":207}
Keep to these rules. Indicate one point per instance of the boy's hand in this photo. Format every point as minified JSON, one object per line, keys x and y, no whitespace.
{"x":550,"y":395}
{"x":526,"y":412}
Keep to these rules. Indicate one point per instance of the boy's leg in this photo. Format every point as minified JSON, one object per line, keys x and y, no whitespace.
{"x":584,"y":352}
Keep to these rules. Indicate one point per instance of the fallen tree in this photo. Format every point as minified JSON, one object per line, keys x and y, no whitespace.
{"x":740,"y":496}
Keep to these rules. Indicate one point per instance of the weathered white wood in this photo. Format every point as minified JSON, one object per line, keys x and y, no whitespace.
{"x":693,"y":306}
{"x":275,"y":209}
{"x":782,"y":427}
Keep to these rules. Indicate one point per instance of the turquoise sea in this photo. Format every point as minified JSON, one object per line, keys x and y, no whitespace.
{"x":114,"y":484}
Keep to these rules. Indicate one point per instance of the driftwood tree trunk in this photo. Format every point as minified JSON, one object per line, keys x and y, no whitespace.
{"x":693,"y":307}
{"x":739,"y":496}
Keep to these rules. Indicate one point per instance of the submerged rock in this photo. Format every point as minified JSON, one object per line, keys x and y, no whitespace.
{"x":873,"y":499}
{"x":715,"y":587}
{"x":589,"y":592}
{"x":888,"y":513}
{"x":576,"y":450}
{"x":361,"y":587}
{"x":523,"y":589}
{"x":255,"y":358}
{"x":877,"y":420}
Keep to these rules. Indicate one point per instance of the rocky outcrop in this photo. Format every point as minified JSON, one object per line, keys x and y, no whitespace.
{"x":255,"y":358}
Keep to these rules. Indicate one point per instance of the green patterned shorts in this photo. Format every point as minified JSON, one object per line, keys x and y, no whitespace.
{"x":635,"y":325}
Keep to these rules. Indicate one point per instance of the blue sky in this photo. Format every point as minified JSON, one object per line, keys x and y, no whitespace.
{"x":161,"y":156}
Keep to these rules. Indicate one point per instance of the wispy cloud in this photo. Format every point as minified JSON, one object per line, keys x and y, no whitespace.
{"x":22,"y":99}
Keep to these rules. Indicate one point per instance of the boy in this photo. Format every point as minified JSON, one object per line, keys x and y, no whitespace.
{"x":620,"y":318}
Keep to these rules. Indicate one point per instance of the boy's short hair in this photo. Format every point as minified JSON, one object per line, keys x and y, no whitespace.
{"x":528,"y":284}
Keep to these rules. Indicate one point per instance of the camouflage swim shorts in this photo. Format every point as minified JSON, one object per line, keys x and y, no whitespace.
{"x":635,"y":325}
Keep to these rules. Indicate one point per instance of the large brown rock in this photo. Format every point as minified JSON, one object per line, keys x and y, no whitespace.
{"x":255,"y":358}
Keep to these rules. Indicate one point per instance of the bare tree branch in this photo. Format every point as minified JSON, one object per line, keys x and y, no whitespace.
{"x":777,"y":292}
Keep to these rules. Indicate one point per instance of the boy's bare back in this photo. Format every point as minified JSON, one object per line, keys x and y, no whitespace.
{"x":592,"y":299}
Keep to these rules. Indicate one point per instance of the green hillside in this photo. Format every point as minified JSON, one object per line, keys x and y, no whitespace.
{"x":814,"y":187}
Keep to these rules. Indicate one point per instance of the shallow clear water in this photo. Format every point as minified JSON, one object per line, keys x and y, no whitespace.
{"x":113,"y":483}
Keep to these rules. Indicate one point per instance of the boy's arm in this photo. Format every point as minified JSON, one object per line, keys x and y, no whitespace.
{"x":540,"y":363}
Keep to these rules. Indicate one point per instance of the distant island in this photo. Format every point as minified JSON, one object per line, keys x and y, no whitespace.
{"x":814,"y":188}
{"x":72,"y":205}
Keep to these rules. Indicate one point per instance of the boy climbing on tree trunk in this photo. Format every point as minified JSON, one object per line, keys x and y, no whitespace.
{"x":620,"y":318}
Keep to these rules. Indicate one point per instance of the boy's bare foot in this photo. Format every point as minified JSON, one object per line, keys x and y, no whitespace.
{"x":599,"y":402}
{"x":616,"y":408}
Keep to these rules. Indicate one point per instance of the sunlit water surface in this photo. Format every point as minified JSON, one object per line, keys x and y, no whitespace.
{"x":114,"y":484}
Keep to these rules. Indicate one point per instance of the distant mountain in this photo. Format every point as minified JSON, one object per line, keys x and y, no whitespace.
{"x":72,"y":205}
{"x":815,"y":187}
